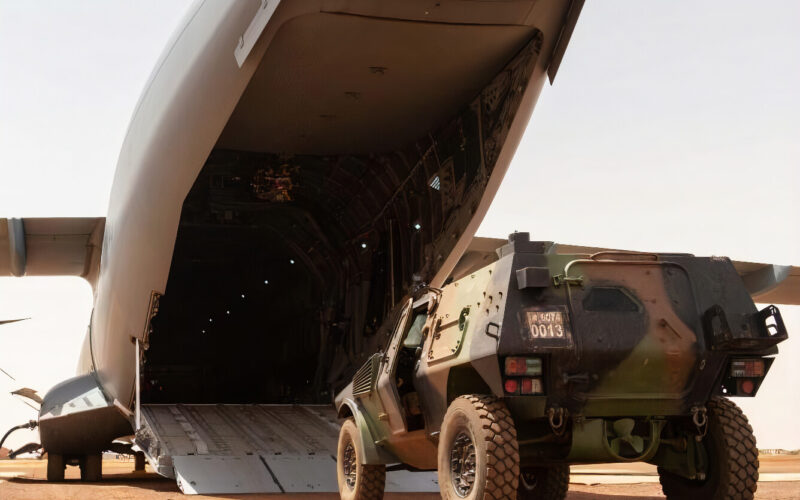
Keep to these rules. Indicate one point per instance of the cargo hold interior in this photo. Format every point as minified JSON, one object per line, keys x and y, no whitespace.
{"x":339,"y":184}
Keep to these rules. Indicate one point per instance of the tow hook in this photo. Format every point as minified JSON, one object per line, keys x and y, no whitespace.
{"x":557,"y":417}
{"x":700,"y":420}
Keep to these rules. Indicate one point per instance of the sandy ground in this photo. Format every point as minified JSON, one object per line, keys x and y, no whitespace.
{"x":24,"y":479}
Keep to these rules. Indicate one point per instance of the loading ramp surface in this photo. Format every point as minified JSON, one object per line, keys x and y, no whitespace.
{"x":214,"y":449}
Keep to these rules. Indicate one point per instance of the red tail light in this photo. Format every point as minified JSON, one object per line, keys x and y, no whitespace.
{"x":746,"y":386}
{"x":511,"y":386}
{"x":531,"y":386}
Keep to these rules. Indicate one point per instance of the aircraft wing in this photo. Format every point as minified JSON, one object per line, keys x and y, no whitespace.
{"x":767,"y":283}
{"x":770,"y":283}
{"x":6,"y":321}
{"x":68,"y":246}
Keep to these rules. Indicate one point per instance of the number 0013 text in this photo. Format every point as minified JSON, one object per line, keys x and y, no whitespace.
{"x":546,"y":324}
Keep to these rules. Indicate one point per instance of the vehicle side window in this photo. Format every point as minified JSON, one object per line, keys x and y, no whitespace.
{"x":413,"y":338}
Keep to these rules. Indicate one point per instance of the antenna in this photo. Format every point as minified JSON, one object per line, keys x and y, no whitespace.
{"x":8,"y":375}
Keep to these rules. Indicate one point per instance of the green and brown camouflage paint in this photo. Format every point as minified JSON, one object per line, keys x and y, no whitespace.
{"x":646,"y":337}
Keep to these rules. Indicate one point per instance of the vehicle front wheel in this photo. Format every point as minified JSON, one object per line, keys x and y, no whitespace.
{"x":478,"y":455}
{"x":732,"y":454}
{"x":543,"y":483}
{"x":357,"y":481}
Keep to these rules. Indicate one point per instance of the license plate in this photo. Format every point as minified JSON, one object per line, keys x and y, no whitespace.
{"x":549,"y":327}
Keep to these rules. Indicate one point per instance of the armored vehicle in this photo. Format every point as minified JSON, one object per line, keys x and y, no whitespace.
{"x":503,"y":378}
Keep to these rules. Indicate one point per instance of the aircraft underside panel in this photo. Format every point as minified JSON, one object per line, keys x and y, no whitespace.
{"x":216,"y":449}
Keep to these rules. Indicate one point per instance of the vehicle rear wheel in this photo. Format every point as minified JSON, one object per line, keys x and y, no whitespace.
{"x":357,"y":481}
{"x":732,"y":454}
{"x":55,"y":467}
{"x":478,"y":451}
{"x":543,"y":483}
{"x":92,"y":467}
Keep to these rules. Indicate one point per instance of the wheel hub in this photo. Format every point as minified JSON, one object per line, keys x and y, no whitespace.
{"x":349,"y":465}
{"x":462,"y":464}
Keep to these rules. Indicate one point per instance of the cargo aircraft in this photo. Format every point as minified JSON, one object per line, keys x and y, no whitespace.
{"x":292,"y":171}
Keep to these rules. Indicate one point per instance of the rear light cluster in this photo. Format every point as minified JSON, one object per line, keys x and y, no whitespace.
{"x":524,"y":386}
{"x":516,"y":366}
{"x":744,"y":376}
{"x":525,"y":372}
{"x":742,"y":368}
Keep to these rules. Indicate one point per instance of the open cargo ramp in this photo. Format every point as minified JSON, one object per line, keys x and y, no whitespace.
{"x":214,"y":449}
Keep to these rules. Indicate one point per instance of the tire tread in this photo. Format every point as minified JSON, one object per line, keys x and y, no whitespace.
{"x":551,"y":484}
{"x":740,"y":477}
{"x":373,"y":480}
{"x":502,"y":450}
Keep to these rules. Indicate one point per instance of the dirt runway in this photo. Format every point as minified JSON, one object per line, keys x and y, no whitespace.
{"x":24,"y":480}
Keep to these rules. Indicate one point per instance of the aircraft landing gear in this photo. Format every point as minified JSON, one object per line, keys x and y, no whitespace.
{"x":55,"y":467}
{"x":91,"y":467}
{"x":139,"y":462}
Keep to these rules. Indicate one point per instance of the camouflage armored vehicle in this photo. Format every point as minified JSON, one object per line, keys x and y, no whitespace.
{"x":505,"y":377}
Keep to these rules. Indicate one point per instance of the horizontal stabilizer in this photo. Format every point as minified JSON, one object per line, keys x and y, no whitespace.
{"x":770,"y":283}
{"x":29,"y":393}
{"x":767,"y":283}
{"x":51,"y":246}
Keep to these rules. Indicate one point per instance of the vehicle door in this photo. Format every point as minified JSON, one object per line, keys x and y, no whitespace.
{"x":634,"y":321}
{"x":387,"y":389}
{"x":395,"y":381}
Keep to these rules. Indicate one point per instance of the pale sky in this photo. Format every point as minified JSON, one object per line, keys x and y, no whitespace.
{"x":671,"y":126}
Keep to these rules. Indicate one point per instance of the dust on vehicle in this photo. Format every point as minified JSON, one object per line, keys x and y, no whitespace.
{"x":503,"y":378}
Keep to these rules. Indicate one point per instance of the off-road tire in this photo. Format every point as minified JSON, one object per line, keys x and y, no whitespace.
{"x":733,"y":457}
{"x":550,"y":483}
{"x":487,"y":422}
{"x":55,"y":467}
{"x":370,"y":479}
{"x":92,"y":467}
